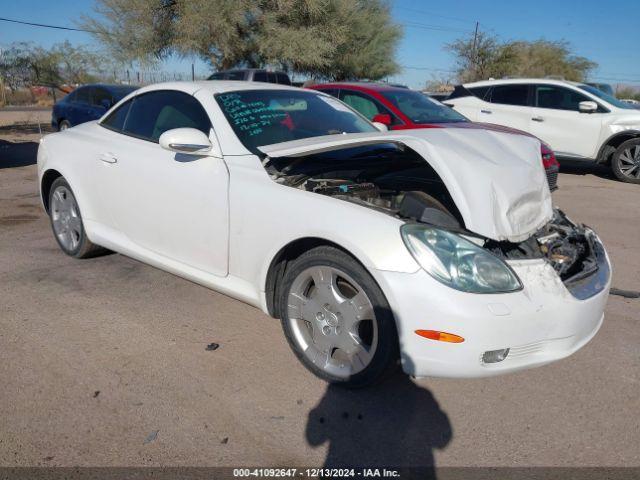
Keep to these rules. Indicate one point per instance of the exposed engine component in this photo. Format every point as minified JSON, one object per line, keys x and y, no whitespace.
{"x":566,"y":246}
{"x":364,"y":193}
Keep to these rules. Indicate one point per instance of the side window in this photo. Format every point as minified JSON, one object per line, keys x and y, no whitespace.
{"x":479,"y":92}
{"x":115,"y":120}
{"x":362,"y":103}
{"x":154,"y":113}
{"x":100,"y":94}
{"x":558,"y":98}
{"x":283,"y":79}
{"x":71,"y":97}
{"x":235,"y":76}
{"x":217,"y":76}
{"x":334,"y":92}
{"x":84,"y":95}
{"x":260,"y":76}
{"x":510,"y":94}
{"x":271,"y":77}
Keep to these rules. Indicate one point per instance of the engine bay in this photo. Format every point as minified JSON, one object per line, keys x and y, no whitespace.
{"x":568,"y":247}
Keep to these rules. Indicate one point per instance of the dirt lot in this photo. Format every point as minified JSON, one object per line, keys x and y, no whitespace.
{"x":103,"y":362}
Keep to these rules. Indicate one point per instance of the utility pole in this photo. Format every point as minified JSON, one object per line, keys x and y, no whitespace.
{"x":193,"y":72}
{"x":475,"y":48}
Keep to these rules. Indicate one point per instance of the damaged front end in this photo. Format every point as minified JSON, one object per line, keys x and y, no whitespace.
{"x":574,"y":251}
{"x":397,"y":181}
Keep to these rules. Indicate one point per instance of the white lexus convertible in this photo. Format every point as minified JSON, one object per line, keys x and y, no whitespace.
{"x":439,"y":246}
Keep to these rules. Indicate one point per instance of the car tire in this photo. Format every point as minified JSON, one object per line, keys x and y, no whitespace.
{"x":66,"y":222}
{"x":341,"y":329}
{"x":625,"y":162}
{"x":63,"y":125}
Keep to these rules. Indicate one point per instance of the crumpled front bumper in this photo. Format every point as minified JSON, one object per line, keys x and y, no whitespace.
{"x":542,"y":323}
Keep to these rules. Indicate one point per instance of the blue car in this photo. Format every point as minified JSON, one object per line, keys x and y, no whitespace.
{"x":87,"y":103}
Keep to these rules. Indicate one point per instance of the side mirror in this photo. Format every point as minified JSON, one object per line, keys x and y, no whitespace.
{"x":185,"y":140}
{"x":380,"y":126}
{"x":587,"y":106}
{"x":383,"y":118}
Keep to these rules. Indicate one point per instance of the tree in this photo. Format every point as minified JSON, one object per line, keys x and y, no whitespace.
{"x":329,"y":38}
{"x":628,"y":92}
{"x":25,"y":64}
{"x":494,"y":58}
{"x":15,"y":65}
{"x":78,"y":64}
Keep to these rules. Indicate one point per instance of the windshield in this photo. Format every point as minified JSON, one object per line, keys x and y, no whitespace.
{"x":265,"y":117}
{"x":422,"y":109}
{"x":606,"y":97}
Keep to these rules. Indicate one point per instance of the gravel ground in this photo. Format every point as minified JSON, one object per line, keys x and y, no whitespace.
{"x":103,"y":363}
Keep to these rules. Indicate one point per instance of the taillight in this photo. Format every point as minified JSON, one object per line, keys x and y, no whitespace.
{"x":548,"y":157}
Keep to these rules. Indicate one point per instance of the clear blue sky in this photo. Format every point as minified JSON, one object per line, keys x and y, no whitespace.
{"x":607,"y":32}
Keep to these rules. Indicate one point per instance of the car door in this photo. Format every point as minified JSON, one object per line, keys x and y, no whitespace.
{"x":557,"y":120}
{"x":72,"y":107}
{"x":101,"y":102}
{"x":171,"y":204}
{"x":83,"y":110}
{"x":507,"y":105}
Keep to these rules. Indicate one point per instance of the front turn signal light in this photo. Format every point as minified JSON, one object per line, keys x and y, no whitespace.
{"x":440,"y":336}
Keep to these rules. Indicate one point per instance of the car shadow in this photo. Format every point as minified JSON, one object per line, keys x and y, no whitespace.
{"x":17,"y":154}
{"x":396,"y":424}
{"x":577,"y":167}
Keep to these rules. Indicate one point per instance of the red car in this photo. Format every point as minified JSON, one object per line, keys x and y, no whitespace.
{"x":400,"y":109}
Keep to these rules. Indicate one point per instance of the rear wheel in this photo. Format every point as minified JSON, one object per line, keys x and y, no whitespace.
{"x":63,"y":125}
{"x":66,"y":222}
{"x":625,"y":162}
{"x":337,"y":319}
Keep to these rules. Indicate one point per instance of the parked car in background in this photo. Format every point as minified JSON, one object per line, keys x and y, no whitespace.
{"x":87,"y":103}
{"x":401,"y":109}
{"x":631,"y":101}
{"x":436,"y":247}
{"x":576,"y":120}
{"x":603,"y":87}
{"x":253,"y":75}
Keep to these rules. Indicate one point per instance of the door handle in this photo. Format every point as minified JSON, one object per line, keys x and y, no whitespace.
{"x":486,"y":111}
{"x":538,"y":119}
{"x":108,"y":158}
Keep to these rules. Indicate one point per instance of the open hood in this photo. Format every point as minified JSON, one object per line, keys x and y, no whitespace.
{"x":496,"y":179}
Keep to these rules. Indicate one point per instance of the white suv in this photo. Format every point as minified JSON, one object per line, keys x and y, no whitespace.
{"x":578,"y":121}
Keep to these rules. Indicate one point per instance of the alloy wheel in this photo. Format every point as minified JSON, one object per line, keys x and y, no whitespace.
{"x":332,"y":320}
{"x":65,"y":217}
{"x":630,"y":162}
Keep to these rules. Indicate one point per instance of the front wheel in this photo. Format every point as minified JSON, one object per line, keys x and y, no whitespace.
{"x":625,"y":161}
{"x":66,"y":222}
{"x":336,"y":318}
{"x":64,"y":124}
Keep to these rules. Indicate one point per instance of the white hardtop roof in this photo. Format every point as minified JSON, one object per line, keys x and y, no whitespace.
{"x":510,"y":81}
{"x":215,"y":86}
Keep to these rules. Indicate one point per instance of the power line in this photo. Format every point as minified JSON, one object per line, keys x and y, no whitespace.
{"x":431,"y":14}
{"x":440,"y":28}
{"x":58,"y":27}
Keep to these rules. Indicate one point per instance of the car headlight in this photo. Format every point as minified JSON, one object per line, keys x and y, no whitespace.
{"x":457,"y":262}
